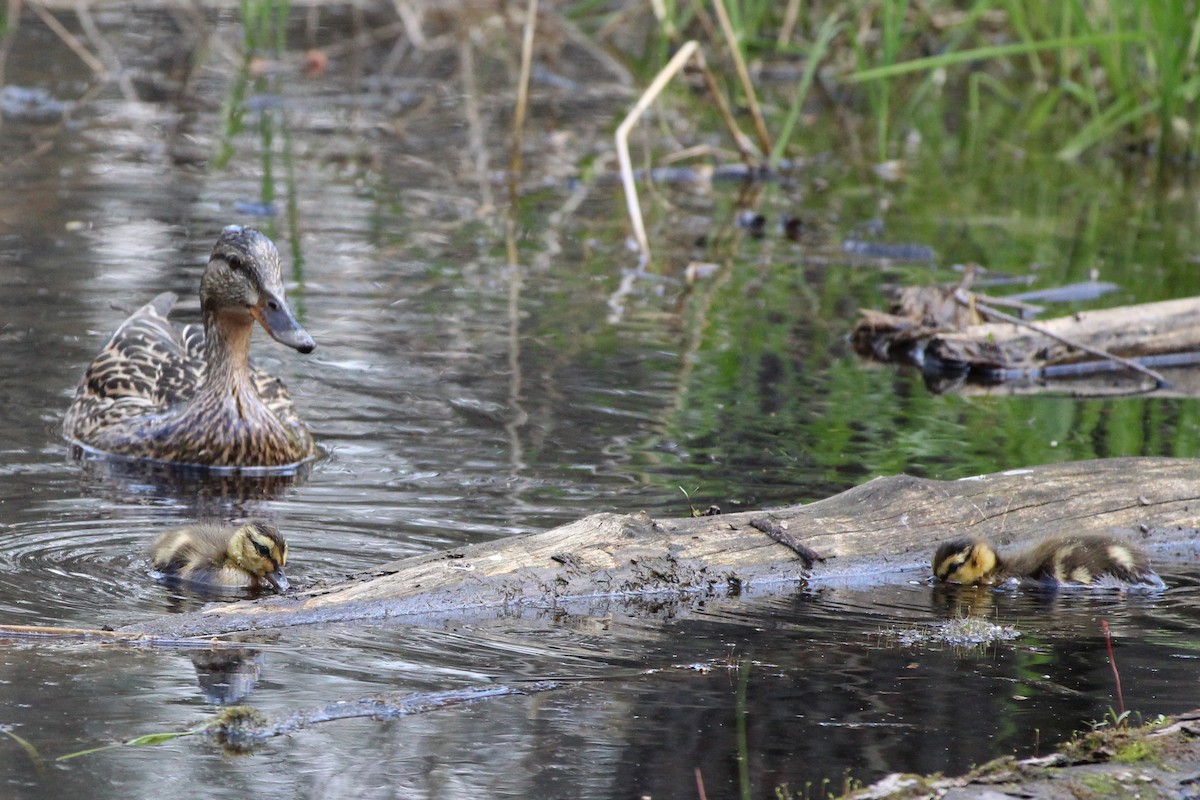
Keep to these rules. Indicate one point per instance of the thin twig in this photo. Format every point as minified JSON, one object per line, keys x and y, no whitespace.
{"x":740,"y":140}
{"x":104,"y":637}
{"x":686,"y":52}
{"x":70,"y":40}
{"x":104,"y":49}
{"x":739,"y":65}
{"x":962,"y":297}
{"x":1113,"y":661}
{"x":808,"y":556}
{"x":51,"y":630}
{"x":410,"y":18}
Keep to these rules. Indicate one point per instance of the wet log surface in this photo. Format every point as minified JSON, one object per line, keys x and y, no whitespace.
{"x":884,"y":527}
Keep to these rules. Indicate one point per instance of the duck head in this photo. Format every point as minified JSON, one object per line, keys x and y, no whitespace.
{"x":260,"y":549}
{"x":244,"y":282}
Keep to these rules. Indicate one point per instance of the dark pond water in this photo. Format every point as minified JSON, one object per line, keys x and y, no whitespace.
{"x":462,"y":400}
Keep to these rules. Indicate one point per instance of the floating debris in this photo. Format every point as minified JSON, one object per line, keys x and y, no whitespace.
{"x":957,"y":632}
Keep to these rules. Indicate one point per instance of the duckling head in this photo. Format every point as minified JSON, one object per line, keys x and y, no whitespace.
{"x":965,"y":560}
{"x":244,"y":282}
{"x":260,"y":549}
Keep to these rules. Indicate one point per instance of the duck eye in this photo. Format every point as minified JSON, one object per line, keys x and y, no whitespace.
{"x":235,"y":263}
{"x":263,"y":550}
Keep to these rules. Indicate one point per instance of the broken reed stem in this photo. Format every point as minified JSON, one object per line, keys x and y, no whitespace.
{"x":1160,"y":382}
{"x":739,"y":65}
{"x":790,"y":16}
{"x":700,"y":785}
{"x":522,"y":94}
{"x":104,"y":50}
{"x":1112,"y":660}
{"x":70,"y":40}
{"x":739,"y":138}
{"x":686,"y":52}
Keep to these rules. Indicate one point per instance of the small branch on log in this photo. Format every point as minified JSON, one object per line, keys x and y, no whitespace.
{"x":808,"y":556}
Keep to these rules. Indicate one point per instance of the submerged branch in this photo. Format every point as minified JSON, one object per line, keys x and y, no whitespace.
{"x":240,"y":728}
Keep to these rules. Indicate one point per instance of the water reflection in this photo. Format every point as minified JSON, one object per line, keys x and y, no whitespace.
{"x":737,"y":388}
{"x":643,"y":704}
{"x":207,"y":492}
{"x":227,"y":676}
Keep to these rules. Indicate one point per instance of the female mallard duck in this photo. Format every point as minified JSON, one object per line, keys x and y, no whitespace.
{"x":220,"y":556}
{"x":189,"y":394}
{"x":1090,"y":560}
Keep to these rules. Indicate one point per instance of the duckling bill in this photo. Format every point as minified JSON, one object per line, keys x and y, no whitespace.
{"x":1088,"y":560}
{"x":221,"y":556}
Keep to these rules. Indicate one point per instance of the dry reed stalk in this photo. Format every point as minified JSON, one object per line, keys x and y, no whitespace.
{"x":740,"y":140}
{"x":790,"y":16}
{"x":522,"y":94}
{"x":685,"y":54}
{"x":70,"y":40}
{"x":739,"y":65}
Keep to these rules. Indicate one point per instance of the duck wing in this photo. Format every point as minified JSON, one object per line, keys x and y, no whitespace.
{"x":148,"y":364}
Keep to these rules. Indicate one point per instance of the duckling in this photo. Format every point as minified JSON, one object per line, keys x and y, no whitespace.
{"x":1091,"y":560}
{"x":189,"y":394}
{"x":222,"y":556}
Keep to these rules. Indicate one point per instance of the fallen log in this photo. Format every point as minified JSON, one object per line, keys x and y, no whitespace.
{"x":953,"y":347}
{"x":882,"y":528}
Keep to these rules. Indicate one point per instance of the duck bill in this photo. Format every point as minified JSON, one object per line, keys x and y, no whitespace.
{"x":278,"y":580}
{"x":276,"y":318}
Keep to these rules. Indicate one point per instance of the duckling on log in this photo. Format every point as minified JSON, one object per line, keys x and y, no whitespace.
{"x":1091,"y":560}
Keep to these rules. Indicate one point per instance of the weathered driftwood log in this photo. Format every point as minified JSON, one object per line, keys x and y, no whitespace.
{"x":887,"y":525}
{"x":1172,"y":326}
{"x":992,"y":352}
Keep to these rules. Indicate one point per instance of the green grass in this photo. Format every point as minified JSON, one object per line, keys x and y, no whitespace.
{"x":1072,"y":77}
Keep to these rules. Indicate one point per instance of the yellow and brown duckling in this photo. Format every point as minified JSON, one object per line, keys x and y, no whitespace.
{"x":189,"y":394}
{"x":251,"y":556}
{"x":1083,"y":560}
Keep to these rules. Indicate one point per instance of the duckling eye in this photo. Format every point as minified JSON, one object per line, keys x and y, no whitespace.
{"x":263,"y":550}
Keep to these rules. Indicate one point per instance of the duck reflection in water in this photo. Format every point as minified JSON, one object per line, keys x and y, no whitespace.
{"x":227,"y":675}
